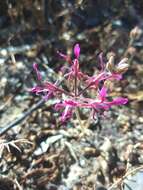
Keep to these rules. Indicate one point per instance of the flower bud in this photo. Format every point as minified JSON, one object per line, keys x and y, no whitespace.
{"x":110,"y":64}
{"x":77,"y":51}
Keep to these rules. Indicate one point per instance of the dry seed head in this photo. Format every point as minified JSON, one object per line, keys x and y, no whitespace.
{"x":135,"y":33}
{"x":122,"y":66}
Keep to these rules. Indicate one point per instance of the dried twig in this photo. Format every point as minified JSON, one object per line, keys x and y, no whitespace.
{"x":119,"y":181}
{"x":28,"y":112}
{"x":6,"y":145}
{"x":22,"y":117}
{"x":18,"y":185}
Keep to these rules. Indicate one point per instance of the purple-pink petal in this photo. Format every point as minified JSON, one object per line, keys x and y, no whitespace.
{"x":36,"y":89}
{"x":71,"y":103}
{"x":116,"y":76}
{"x":67,"y":114}
{"x":103,"y":93}
{"x":119,"y":101}
{"x":58,"y":106}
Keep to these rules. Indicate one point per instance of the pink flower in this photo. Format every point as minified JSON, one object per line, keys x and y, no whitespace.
{"x":75,"y":71}
{"x":68,"y":106}
{"x":47,"y":90}
{"x":77,"y":96}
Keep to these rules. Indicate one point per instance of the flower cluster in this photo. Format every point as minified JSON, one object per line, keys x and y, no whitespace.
{"x":75,"y":91}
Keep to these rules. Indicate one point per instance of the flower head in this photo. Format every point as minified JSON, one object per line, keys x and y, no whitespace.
{"x":75,"y":92}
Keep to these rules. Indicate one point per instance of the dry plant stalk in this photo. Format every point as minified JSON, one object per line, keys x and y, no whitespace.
{"x":13,"y":143}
